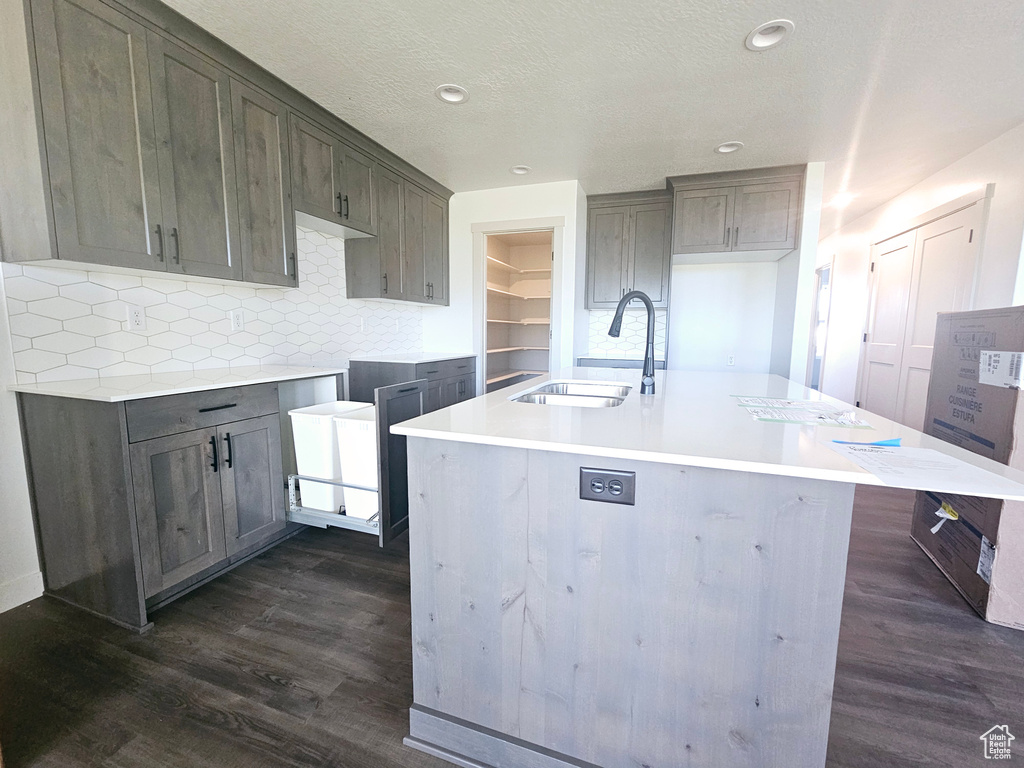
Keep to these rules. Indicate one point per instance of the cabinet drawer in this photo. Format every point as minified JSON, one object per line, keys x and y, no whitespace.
{"x":444,"y":369}
{"x":171,"y":414}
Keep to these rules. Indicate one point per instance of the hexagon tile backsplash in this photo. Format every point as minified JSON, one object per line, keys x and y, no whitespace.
{"x":70,"y":324}
{"x":633,"y":334}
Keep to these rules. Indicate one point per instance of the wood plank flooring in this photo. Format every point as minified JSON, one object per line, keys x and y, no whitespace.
{"x":301,"y":657}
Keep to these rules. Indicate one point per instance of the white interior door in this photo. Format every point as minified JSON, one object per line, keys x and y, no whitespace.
{"x":892,"y":266}
{"x":945,"y":255}
{"x":916,"y":275}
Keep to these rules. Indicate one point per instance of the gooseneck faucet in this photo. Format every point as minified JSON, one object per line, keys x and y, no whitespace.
{"x":647,"y":382}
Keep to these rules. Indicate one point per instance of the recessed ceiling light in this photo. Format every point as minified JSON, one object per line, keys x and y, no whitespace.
{"x":450,"y":93}
{"x":729,"y":146}
{"x":769,"y":34}
{"x":519,"y":170}
{"x":841,"y":200}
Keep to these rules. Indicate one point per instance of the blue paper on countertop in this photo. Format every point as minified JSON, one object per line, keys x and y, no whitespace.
{"x":893,"y":443}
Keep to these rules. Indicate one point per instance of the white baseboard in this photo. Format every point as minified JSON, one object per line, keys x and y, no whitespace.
{"x":20,"y":590}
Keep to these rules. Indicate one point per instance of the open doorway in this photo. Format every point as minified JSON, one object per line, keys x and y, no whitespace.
{"x":517,"y":306}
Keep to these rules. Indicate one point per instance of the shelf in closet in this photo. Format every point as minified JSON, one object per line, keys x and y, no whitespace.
{"x":524,"y":321}
{"x":503,"y":292}
{"x":511,"y":375}
{"x":516,"y":349}
{"x":517,"y":270}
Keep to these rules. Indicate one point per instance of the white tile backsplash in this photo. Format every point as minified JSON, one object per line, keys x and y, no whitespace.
{"x":633,"y":336}
{"x":72,"y":324}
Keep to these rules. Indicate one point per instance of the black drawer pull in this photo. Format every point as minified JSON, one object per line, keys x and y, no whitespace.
{"x":407,"y":389}
{"x":431,"y":372}
{"x":463,"y":366}
{"x":217,"y":408}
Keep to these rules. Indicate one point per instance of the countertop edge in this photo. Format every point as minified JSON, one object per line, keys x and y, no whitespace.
{"x":41,"y":389}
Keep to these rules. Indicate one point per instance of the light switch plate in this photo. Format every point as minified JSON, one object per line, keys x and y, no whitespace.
{"x":611,"y":486}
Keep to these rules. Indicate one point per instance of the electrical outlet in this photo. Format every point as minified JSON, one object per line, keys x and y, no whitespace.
{"x":237,"y":317}
{"x":609,"y":485}
{"x":731,"y":360}
{"x":136,"y":318}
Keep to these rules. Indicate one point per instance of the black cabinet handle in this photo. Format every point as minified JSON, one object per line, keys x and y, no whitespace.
{"x":463,"y":366}
{"x":344,"y":207}
{"x":407,"y":389}
{"x":384,"y":278}
{"x":160,"y":240}
{"x":735,"y":237}
{"x":227,"y":439}
{"x":216,"y":460}
{"x":294,"y":272}
{"x":341,"y":206}
{"x":177,"y":245}
{"x":217,"y":408}
{"x":432,"y":371}
{"x":728,"y":236}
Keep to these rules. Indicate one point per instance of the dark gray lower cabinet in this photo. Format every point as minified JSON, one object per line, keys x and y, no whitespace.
{"x":448,"y":381}
{"x":138,"y":502}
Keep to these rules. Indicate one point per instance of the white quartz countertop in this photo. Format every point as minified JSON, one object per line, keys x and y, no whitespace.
{"x":409,"y":357}
{"x":692,"y":420}
{"x":115,"y":389}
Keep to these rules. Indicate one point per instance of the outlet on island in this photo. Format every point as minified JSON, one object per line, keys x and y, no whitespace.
{"x":609,"y":485}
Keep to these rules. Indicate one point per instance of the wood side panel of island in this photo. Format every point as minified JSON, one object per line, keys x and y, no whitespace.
{"x":698,"y":627}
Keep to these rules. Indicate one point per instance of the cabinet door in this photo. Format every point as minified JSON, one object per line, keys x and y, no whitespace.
{"x":178,"y":507}
{"x":192,"y":111}
{"x":252,"y":480}
{"x":395,"y":404}
{"x":264,"y":200}
{"x":435,"y":249}
{"x":766,"y":216}
{"x":389,"y":234}
{"x":607,"y":256}
{"x":316,"y":168}
{"x":702,"y":222}
{"x":414,"y":283}
{"x":98,"y":129}
{"x":358,"y":186}
{"x":434,"y":396}
{"x":650,"y":250}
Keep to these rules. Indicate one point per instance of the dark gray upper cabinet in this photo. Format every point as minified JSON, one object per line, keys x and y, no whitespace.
{"x":192,"y":110}
{"x":316,"y":169}
{"x":358,"y":203}
{"x":100,"y":141}
{"x":435,"y":249}
{"x":628,"y":248}
{"x":264,"y":198}
{"x":755,"y":213}
{"x":408,"y":260}
{"x":414,"y":281}
{"x":167,"y":150}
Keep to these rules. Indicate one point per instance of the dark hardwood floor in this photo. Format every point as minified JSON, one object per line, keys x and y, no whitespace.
{"x":301,"y":657}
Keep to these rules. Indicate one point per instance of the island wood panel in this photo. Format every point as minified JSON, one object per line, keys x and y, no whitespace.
{"x":703,"y":621}
{"x":85,"y":513}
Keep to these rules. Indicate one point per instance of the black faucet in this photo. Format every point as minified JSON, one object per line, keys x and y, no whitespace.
{"x":647,"y":382}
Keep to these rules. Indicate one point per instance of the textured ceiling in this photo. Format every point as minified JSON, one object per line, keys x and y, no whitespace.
{"x":622,"y":93}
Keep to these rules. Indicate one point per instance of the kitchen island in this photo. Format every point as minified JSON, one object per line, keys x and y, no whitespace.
{"x":697,"y":626}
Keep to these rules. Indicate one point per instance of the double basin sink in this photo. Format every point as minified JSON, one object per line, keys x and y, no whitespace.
{"x":582,"y":394}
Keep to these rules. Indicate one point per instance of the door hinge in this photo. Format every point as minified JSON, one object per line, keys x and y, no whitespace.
{"x":865,"y":337}
{"x":970,"y":238}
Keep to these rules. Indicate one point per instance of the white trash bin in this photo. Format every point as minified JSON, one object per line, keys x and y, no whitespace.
{"x":357,"y":447}
{"x":316,"y":451}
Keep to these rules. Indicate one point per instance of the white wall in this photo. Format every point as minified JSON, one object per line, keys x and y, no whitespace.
{"x":720,"y":310}
{"x":459,"y":326}
{"x":1001,"y":283}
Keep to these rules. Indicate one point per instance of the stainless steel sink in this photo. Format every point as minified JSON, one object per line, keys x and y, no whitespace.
{"x":580,"y":401}
{"x":587,"y":388}
{"x":581,"y":394}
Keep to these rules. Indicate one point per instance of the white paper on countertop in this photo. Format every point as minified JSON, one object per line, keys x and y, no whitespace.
{"x":925,"y":468}
{"x":781,"y":402}
{"x":820,"y":418}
